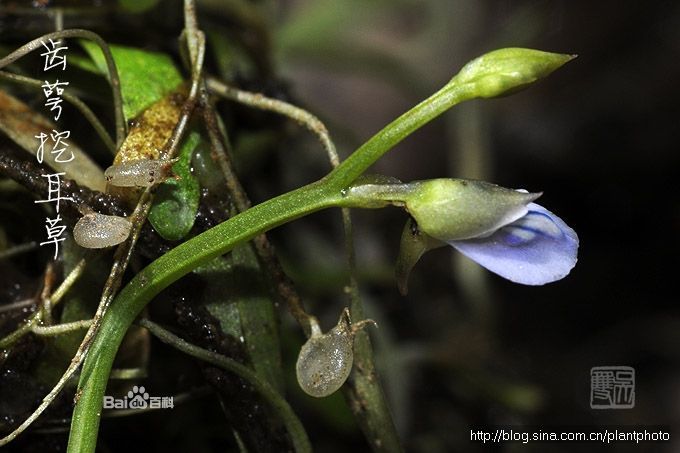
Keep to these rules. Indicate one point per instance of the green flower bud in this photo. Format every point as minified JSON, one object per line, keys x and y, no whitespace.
{"x":456,"y":209}
{"x":504,"y":71}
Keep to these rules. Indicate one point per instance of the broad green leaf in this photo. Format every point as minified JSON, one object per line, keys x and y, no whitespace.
{"x":236,"y":293}
{"x":217,"y":294}
{"x":258,"y":317}
{"x":243,"y":302}
{"x":176,"y":202}
{"x":145,"y":77}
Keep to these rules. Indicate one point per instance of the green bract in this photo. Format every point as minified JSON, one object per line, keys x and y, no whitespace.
{"x":447,"y":209}
{"x":504,"y":71}
{"x":455,"y":209}
{"x":414,"y":244}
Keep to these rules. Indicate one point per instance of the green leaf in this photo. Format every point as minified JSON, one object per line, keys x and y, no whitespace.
{"x":235,"y":293}
{"x":259,"y":322}
{"x":238,"y":294}
{"x":217,"y":294}
{"x":145,"y":77}
{"x":176,"y":202}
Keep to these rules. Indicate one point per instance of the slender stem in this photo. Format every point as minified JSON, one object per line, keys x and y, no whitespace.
{"x":191,"y":28}
{"x":260,"y":101}
{"x":284,"y":286}
{"x":59,"y":329}
{"x":122,"y":255}
{"x":45,"y":302}
{"x":121,"y":125}
{"x":293,"y":425}
{"x":121,"y":260}
{"x":363,"y":390}
{"x":25,"y":328}
{"x":264,"y":249}
{"x":77,"y":103}
{"x":55,"y":298}
{"x":25,"y":303}
{"x":328,"y":192}
{"x":366,"y":155}
{"x":18,"y":250}
{"x":68,"y":282}
{"x":123,"y":252}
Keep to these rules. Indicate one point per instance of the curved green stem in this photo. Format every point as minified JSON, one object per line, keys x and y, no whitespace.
{"x":161,"y":273}
{"x":488,"y":76}
{"x":328,"y":192}
{"x":368,"y":153}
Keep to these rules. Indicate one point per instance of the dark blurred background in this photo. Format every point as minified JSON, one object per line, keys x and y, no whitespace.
{"x":468,"y":349}
{"x":465,"y":350}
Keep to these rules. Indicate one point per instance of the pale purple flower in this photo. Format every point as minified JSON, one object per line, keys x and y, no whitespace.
{"x":535,"y":249}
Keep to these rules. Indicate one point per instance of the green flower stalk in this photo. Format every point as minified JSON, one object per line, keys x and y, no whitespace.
{"x":491,"y":75}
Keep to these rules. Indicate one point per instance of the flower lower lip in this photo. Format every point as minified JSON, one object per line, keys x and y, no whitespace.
{"x":536,"y":249}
